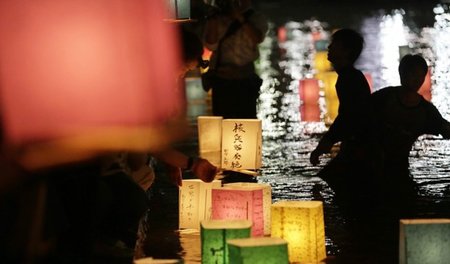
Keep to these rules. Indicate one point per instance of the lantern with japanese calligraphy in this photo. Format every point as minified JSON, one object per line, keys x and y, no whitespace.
{"x":195,"y":202}
{"x":425,"y":89}
{"x":215,"y":233}
{"x":424,"y":241}
{"x":267,"y":199}
{"x":321,"y":62}
{"x":264,"y":250}
{"x":235,"y":202}
{"x":301,"y":224}
{"x":241,"y":144}
{"x":76,"y":82}
{"x":210,"y":138}
{"x":328,"y":82}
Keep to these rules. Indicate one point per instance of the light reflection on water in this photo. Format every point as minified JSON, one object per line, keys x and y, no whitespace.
{"x":288,"y":141}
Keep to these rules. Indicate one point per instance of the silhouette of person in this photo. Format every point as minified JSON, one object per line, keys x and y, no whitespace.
{"x":401,"y":115}
{"x":233,"y":34}
{"x":351,"y":126}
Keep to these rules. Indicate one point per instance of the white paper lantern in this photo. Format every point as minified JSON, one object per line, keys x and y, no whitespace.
{"x":210,"y":138}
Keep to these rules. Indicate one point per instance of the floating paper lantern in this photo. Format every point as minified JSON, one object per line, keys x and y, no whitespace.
{"x":233,"y":202}
{"x":267,"y":199}
{"x":195,"y":202}
{"x":215,"y":233}
{"x":328,"y":81}
{"x":210,"y":138}
{"x":241,"y":144}
{"x":321,"y":62}
{"x":310,"y":113}
{"x":282,"y":34}
{"x":301,"y":224}
{"x":425,"y":89}
{"x":424,"y":241}
{"x":264,"y":250}
{"x":309,"y":91}
{"x":79,"y":78}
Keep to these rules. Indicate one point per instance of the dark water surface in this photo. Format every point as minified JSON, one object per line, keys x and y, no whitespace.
{"x":287,"y":140}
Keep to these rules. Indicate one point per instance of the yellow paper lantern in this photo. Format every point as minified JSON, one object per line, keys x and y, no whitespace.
{"x":321,"y":62}
{"x":215,"y":233}
{"x":301,"y":224}
{"x":195,"y":202}
{"x":328,"y":82}
{"x":233,"y":202}
{"x":210,"y":138}
{"x":263,"y":250}
{"x":424,"y":241}
{"x":241,"y":144}
{"x":267,"y":199}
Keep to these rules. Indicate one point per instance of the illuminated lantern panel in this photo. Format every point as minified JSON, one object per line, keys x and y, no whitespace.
{"x":264,"y":250}
{"x":239,"y":203}
{"x":425,"y":89}
{"x":241,"y":144}
{"x":282,"y":34}
{"x":301,"y":224}
{"x":215,"y":233}
{"x":195,"y":202}
{"x":267,"y":199}
{"x":309,"y":91}
{"x":328,"y":84}
{"x":321,"y":62}
{"x":210,"y":138}
{"x":424,"y":241}
{"x":310,"y":113}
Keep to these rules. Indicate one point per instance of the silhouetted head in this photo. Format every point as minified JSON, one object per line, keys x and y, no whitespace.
{"x":192,"y":49}
{"x":345,"y":47}
{"x":412,"y":70}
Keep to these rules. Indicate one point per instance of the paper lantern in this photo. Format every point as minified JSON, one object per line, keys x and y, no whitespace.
{"x":309,"y":91}
{"x":195,"y":202}
{"x":179,"y":9}
{"x":424,"y":241}
{"x":239,"y":203}
{"x":310,"y":113}
{"x":215,"y":233}
{"x":241,"y":144}
{"x":328,"y":82}
{"x":210,"y":138}
{"x":282,"y":34}
{"x":83,"y":77}
{"x":425,"y":89}
{"x":157,"y":261}
{"x":301,"y":224}
{"x":267,"y":199}
{"x":321,"y":62}
{"x":264,"y":250}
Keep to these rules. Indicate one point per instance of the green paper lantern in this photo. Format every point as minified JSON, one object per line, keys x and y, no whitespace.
{"x":264,"y":250}
{"x":424,"y":241}
{"x":214,"y":236}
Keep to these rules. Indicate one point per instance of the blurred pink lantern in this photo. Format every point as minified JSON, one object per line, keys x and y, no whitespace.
{"x":81,"y":77}
{"x":309,"y":91}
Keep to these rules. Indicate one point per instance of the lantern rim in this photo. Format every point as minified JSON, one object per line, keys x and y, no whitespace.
{"x":254,"y":242}
{"x":226,"y":224}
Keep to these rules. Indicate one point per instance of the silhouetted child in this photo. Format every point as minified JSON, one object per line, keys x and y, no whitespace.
{"x":401,"y":116}
{"x":352,"y":123}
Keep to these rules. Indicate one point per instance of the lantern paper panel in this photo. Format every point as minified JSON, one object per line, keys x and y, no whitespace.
{"x":76,"y":81}
{"x":267,"y":199}
{"x":241,"y":144}
{"x":309,"y":91}
{"x":328,"y":83}
{"x":238,"y":203}
{"x":301,"y":224}
{"x":424,"y":241}
{"x":310,"y":113}
{"x":321,"y":62}
{"x":195,"y":202}
{"x":210,"y":138}
{"x":215,"y":233}
{"x":263,"y":250}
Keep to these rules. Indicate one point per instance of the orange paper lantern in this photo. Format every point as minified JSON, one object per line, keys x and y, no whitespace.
{"x":309,"y":91}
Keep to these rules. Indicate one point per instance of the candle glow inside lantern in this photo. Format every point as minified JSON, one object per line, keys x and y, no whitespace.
{"x":321,"y":62}
{"x":424,"y":241}
{"x":233,"y":202}
{"x":210,"y":138}
{"x":263,"y":250}
{"x":267,"y":199}
{"x":301,"y":224}
{"x":195,"y":202}
{"x":241,"y":144}
{"x":215,"y":233}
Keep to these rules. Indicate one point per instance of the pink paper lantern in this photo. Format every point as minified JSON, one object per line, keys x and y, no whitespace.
{"x":282,"y":34}
{"x":369,"y":80}
{"x":236,"y":203}
{"x":309,"y":91}
{"x":82,"y":77}
{"x":310,"y":113}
